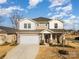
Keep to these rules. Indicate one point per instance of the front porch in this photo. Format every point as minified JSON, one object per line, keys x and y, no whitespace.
{"x":50,"y":37}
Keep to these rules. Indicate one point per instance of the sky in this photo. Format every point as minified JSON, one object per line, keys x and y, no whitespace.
{"x":67,"y":10}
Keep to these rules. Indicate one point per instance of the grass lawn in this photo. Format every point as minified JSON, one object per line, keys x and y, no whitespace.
{"x":51,"y":52}
{"x":4,"y":49}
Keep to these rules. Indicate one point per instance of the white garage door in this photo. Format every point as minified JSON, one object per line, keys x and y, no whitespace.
{"x":29,"y":39}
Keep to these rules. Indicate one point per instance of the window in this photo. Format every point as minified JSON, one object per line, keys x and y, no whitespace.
{"x":46,"y":24}
{"x":37,"y":24}
{"x":29,"y":25}
{"x":25,"y":25}
{"x":55,"y":25}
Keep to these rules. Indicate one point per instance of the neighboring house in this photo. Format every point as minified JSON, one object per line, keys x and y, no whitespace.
{"x":7,"y":35}
{"x":34,"y":31}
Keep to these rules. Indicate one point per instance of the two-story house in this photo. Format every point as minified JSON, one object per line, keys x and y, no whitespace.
{"x":33,"y":31}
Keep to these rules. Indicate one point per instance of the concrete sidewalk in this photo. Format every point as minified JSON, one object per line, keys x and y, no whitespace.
{"x":23,"y":52}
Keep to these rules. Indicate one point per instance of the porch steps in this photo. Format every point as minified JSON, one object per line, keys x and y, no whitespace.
{"x":54,"y":42}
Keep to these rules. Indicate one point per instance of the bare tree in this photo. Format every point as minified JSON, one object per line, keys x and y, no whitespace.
{"x":1,"y":19}
{"x":14,"y":19}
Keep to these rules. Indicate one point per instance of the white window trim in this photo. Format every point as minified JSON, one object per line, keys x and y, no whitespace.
{"x":27,"y":26}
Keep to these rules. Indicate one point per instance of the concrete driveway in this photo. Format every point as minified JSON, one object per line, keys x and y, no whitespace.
{"x":23,"y":52}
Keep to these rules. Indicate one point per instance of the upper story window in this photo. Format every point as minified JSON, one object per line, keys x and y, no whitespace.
{"x":37,"y":24}
{"x":27,"y":25}
{"x":46,"y":24}
{"x":56,"y":25}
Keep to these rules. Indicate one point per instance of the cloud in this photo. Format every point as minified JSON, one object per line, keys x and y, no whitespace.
{"x":33,"y":3}
{"x":9,"y":10}
{"x":3,"y":1}
{"x":63,"y":9}
{"x":49,"y":14}
{"x":55,"y":3}
{"x":72,"y":16}
{"x":68,"y":8}
{"x":60,"y":8}
{"x":56,"y":16}
{"x":15,"y":8}
{"x":72,"y":22}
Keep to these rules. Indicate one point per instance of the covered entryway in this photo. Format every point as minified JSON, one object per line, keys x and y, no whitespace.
{"x":29,"y":39}
{"x":57,"y":37}
{"x":47,"y":38}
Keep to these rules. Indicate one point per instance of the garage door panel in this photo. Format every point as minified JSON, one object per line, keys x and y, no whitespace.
{"x":29,"y":39}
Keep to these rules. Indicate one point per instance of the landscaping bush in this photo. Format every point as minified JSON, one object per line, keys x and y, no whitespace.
{"x":14,"y":44}
{"x":63,"y":52}
{"x":50,"y":44}
{"x":76,"y":38}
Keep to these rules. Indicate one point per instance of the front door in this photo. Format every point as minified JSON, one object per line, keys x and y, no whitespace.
{"x":47,"y":38}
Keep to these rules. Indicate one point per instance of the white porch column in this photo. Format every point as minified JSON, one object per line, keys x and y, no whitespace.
{"x":43,"y":37}
{"x":55,"y":38}
{"x":18,"y":38}
{"x":51,"y":38}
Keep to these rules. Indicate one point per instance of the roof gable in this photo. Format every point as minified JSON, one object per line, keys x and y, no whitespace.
{"x":46,"y":31}
{"x":25,"y":19}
